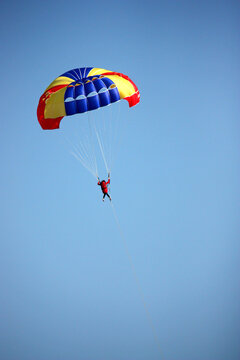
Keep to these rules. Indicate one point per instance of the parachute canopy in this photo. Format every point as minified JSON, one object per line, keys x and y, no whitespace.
{"x":81,"y":90}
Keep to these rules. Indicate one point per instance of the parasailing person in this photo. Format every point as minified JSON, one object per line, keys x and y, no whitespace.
{"x":104,"y":186}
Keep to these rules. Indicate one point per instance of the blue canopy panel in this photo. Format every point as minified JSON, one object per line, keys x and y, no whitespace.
{"x":89,"y":94}
{"x":78,"y":74}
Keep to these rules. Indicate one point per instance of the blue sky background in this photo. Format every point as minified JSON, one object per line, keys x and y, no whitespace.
{"x":67,"y":290}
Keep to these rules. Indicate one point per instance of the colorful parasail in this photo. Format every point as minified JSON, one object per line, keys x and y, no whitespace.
{"x":81,"y":90}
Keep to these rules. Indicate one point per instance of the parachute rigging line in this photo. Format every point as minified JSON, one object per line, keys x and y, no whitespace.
{"x":81,"y":154}
{"x":92,"y":144}
{"x":100,"y":143}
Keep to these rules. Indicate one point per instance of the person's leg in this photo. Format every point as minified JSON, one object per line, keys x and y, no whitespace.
{"x":109,"y":197}
{"x":103,"y":197}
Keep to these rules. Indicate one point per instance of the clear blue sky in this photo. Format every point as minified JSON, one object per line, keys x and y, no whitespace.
{"x":67,"y":290}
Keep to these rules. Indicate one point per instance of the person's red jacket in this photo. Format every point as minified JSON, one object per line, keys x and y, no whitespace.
{"x":103,"y":185}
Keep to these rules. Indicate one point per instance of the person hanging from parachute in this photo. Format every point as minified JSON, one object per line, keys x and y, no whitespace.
{"x":104,"y":187}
